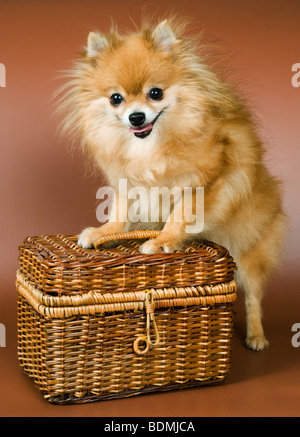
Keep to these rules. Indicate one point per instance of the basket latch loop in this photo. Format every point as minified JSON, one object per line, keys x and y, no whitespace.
{"x":145,"y":339}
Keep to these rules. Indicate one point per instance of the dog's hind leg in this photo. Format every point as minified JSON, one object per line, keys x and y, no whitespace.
{"x":254,"y":269}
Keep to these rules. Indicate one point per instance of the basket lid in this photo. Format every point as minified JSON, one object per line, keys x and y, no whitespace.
{"x":58,"y":266}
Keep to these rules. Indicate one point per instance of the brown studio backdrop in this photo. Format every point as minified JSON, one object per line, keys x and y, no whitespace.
{"x":45,"y":186}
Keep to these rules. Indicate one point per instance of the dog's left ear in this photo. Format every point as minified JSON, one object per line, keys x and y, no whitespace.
{"x":164,"y":36}
{"x":95,"y":43}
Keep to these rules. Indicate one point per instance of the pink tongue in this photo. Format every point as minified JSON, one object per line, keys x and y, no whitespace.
{"x":142,"y":129}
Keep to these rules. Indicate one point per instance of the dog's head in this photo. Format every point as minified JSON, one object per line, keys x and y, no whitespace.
{"x":146,"y":88}
{"x":135,"y":81}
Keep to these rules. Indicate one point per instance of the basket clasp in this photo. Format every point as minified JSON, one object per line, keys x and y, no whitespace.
{"x":149,"y":307}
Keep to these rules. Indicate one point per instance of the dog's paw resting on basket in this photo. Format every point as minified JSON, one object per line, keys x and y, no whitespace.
{"x":162,"y":243}
{"x":89,"y":236}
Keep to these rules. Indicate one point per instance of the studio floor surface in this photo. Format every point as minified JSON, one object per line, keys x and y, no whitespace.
{"x":260,"y":383}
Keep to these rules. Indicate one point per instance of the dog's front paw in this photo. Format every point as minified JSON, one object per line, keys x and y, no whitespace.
{"x":150,"y":246}
{"x":87,"y":237}
{"x":156,"y":245}
{"x":257,"y":343}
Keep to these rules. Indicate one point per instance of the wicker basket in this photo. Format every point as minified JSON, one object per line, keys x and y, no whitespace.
{"x":110,"y":322}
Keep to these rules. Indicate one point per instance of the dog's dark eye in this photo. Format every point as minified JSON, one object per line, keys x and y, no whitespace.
{"x":156,"y":94}
{"x":116,"y":99}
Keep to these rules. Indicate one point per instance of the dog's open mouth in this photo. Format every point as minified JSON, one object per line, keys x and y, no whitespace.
{"x":144,"y":131}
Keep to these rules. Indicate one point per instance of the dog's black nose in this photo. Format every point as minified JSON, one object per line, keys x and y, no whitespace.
{"x":137,"y":118}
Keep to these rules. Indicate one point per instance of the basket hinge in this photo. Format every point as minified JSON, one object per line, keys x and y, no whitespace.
{"x":149,"y":307}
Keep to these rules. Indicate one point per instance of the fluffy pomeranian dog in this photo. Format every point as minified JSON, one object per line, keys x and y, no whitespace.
{"x":149,"y":110}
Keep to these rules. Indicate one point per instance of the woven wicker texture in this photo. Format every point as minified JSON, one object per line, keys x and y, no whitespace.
{"x":58,"y":266}
{"x":91,"y":327}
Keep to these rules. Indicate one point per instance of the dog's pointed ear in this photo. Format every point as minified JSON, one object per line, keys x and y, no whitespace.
{"x":95,"y":43}
{"x":164,"y":36}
